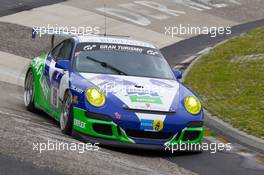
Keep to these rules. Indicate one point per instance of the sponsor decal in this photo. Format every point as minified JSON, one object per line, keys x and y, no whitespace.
{"x":89,"y":47}
{"x":116,"y":41}
{"x":39,"y":71}
{"x":75,"y":99}
{"x":146,"y":124}
{"x":144,"y":96}
{"x":152,"y":52}
{"x":133,"y":91}
{"x":76,"y":89}
{"x":116,"y":47}
{"x":117,"y":117}
{"x":157,"y":125}
{"x":121,"y":48}
{"x":54,"y":97}
{"x":79,"y":123}
{"x":55,"y":82}
{"x":56,"y":79}
{"x":145,"y":99}
{"x":151,"y":125}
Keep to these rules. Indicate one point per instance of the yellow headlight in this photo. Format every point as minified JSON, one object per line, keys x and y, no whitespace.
{"x":192,"y":105}
{"x":95,"y":97}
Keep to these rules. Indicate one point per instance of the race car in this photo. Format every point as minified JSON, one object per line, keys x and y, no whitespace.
{"x":113,"y":90}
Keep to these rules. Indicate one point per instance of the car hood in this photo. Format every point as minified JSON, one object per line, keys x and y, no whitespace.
{"x":138,"y":93}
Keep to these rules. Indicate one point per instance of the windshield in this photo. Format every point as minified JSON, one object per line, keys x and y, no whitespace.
{"x":121,"y":60}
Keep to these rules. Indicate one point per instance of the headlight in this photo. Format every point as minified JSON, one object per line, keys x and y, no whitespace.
{"x":95,"y":97}
{"x":192,"y":105}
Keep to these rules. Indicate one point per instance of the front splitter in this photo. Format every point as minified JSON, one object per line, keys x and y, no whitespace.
{"x":116,"y":143}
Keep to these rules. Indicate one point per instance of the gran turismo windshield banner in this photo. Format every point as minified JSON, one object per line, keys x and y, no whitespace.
{"x":117,"y":47}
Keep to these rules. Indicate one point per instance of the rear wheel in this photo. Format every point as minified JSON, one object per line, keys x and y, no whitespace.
{"x":66,"y":119}
{"x":29,"y":91}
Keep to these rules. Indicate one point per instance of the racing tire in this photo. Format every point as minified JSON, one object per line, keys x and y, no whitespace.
{"x":29,"y":91}
{"x":66,"y":119}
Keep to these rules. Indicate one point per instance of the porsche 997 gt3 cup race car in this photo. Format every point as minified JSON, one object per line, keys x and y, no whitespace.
{"x":113,"y":90}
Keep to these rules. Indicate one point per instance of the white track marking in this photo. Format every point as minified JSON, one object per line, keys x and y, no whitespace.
{"x":201,"y":5}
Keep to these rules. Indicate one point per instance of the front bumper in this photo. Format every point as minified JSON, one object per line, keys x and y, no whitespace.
{"x":104,"y":131}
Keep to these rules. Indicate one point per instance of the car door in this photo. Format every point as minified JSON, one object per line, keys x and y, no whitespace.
{"x":58,"y":77}
{"x":45,"y":81}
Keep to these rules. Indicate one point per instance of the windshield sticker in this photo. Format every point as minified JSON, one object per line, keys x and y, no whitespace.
{"x":89,"y":47}
{"x":121,"y":48}
{"x":117,"y":47}
{"x":152,"y":52}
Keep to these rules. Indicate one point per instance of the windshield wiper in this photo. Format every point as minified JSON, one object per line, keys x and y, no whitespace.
{"x":104,"y":64}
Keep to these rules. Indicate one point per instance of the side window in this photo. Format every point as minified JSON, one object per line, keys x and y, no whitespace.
{"x":55,"y":52}
{"x":66,"y":50}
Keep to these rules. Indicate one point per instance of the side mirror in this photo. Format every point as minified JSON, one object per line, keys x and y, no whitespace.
{"x":63,"y":64}
{"x":177,"y":73}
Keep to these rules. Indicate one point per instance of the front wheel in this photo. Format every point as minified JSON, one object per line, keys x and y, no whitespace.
{"x":29,"y":91}
{"x":66,"y":119}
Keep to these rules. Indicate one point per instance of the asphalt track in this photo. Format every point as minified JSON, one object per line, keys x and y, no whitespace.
{"x":22,"y":168}
{"x":240,"y":161}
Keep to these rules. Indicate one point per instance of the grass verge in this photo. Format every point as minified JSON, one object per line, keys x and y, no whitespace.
{"x":230,"y":82}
